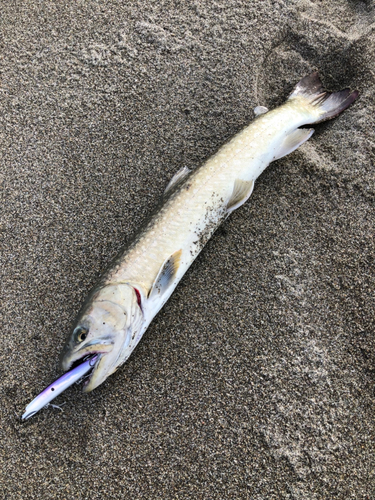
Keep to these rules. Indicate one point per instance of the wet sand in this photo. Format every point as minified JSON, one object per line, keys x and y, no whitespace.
{"x":256,"y":380}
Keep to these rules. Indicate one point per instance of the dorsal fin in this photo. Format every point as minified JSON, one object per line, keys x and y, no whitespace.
{"x":293,"y":141}
{"x":177,"y":178}
{"x":166,"y":275}
{"x":260,"y":110}
{"x":241,"y":192}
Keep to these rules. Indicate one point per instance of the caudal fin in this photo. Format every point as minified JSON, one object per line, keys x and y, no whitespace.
{"x":325,"y":105}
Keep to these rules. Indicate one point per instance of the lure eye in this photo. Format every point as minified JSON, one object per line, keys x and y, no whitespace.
{"x":80,"y":334}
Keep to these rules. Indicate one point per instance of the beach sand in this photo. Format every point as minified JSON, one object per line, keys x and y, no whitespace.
{"x":256,"y":380}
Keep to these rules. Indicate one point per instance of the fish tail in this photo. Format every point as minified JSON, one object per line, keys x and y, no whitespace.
{"x":320,"y":104}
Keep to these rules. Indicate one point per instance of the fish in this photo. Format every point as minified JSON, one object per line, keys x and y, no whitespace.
{"x":134,"y":288}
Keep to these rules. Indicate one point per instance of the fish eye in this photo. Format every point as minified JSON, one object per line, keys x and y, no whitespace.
{"x":80,"y":334}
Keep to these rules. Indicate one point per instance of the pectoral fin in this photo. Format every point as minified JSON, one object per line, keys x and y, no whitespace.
{"x":293,"y":141}
{"x":241,"y":192}
{"x":166,"y":275}
{"x":177,"y":178}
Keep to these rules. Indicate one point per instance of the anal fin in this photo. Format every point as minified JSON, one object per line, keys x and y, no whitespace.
{"x":166,"y":275}
{"x":241,"y":192}
{"x":293,"y":141}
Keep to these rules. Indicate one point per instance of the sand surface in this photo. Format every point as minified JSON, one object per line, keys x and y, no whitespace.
{"x":256,"y":381}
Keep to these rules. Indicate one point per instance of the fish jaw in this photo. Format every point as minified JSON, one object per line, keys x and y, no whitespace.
{"x":68,"y":358}
{"x":105,"y":365}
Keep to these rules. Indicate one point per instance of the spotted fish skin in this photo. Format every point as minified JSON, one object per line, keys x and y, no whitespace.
{"x":145,"y":274}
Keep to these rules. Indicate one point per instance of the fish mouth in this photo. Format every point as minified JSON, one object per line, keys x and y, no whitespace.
{"x":95,"y":351}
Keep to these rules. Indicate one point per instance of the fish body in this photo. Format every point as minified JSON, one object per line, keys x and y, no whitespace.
{"x":119,"y":309}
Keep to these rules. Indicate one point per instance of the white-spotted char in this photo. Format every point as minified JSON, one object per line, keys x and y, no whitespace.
{"x":119,"y":309}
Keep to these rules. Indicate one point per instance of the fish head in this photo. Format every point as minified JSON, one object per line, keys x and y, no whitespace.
{"x":107,"y":325}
